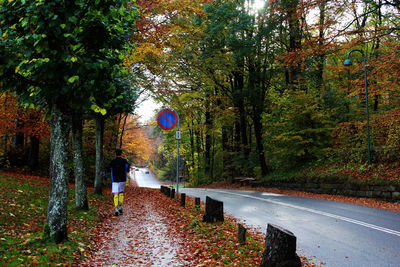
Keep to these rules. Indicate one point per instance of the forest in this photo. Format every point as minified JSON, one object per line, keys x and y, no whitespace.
{"x":266,"y":91}
{"x":259,"y":91}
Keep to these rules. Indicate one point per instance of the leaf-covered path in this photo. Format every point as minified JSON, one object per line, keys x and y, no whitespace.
{"x":144,"y":235}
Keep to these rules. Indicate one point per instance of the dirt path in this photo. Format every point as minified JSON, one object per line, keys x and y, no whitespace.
{"x":142,"y":236}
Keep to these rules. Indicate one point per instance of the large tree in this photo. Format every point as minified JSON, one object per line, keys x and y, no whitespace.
{"x":63,"y":53}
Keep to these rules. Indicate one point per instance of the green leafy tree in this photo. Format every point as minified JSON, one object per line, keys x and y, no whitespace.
{"x":297,"y":131}
{"x":62,"y":54}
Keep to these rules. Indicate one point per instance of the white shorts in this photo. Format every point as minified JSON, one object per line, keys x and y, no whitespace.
{"x":118,"y":187}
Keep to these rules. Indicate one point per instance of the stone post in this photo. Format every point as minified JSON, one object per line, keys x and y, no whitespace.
{"x":183,"y":199}
{"x":214,"y":211}
{"x":280,"y":248}
{"x":241,"y":234}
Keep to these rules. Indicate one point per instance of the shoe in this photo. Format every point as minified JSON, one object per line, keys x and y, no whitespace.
{"x":116,"y":212}
{"x":120,"y":210}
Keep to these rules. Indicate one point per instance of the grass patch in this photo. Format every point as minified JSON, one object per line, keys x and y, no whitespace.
{"x":180,"y":186}
{"x":23,"y":210}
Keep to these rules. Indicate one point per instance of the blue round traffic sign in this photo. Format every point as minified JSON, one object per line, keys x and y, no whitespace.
{"x":167,"y":119}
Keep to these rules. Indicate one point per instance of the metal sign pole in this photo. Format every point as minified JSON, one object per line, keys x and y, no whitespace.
{"x":177,"y":162}
{"x":168,"y":124}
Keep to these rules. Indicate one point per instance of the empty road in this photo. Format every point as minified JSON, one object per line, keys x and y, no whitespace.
{"x":144,"y":178}
{"x":339,"y":234}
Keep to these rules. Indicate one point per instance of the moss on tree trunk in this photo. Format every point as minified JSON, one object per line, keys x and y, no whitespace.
{"x":57,"y":210}
{"x":81,"y":201}
{"x":98,"y":181}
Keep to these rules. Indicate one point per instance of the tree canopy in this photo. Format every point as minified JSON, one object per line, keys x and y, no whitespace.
{"x":266,"y":90}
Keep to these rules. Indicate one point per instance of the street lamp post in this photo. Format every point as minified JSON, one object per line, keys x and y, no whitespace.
{"x":348,"y":62}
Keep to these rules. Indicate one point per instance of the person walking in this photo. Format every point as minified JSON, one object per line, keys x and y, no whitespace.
{"x":119,"y":167}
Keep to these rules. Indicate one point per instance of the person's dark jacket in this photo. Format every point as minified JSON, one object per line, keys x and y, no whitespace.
{"x":118,"y":168}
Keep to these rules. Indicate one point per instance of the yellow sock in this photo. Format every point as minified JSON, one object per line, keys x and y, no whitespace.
{"x":121,"y":198}
{"x":116,"y":200}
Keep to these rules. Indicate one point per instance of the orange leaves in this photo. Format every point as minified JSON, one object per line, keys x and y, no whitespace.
{"x":156,"y":230}
{"x":384,"y":70}
{"x":30,"y":121}
{"x":136,"y":141}
{"x":161,"y":21}
{"x":385,"y":132}
{"x":8,"y":112}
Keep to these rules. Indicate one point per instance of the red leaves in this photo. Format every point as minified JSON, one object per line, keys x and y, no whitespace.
{"x":30,"y":121}
{"x":156,"y":230}
{"x":142,"y":235}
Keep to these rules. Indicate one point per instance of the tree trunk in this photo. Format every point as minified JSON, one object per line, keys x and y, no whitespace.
{"x":198,"y":150}
{"x":33,"y":159}
{"x":225,"y":152}
{"x":98,"y":180}
{"x":19,"y":136}
{"x":60,"y":124}
{"x":122,"y":131}
{"x":294,"y":41}
{"x":259,"y":143}
{"x":239,"y":103}
{"x":192,"y":148}
{"x":81,"y":201}
{"x":376,"y":48}
{"x":238,"y":83}
{"x":6,"y":143}
{"x":257,"y":96}
{"x":321,"y":52}
{"x":114,"y":141}
{"x":207,"y":150}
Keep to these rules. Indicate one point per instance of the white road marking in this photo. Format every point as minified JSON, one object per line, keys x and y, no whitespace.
{"x":338,"y":217}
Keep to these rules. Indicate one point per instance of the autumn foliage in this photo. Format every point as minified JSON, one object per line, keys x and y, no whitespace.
{"x":384,"y":135}
{"x":15,"y":117}
{"x":154,"y":229}
{"x":137,"y":142}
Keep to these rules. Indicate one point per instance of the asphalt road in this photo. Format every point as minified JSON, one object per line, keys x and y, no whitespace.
{"x":338,"y":234}
{"x":144,"y":179}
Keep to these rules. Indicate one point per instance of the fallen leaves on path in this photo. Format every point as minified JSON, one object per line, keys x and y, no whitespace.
{"x":144,"y":235}
{"x":156,"y":231}
{"x":153,"y":231}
